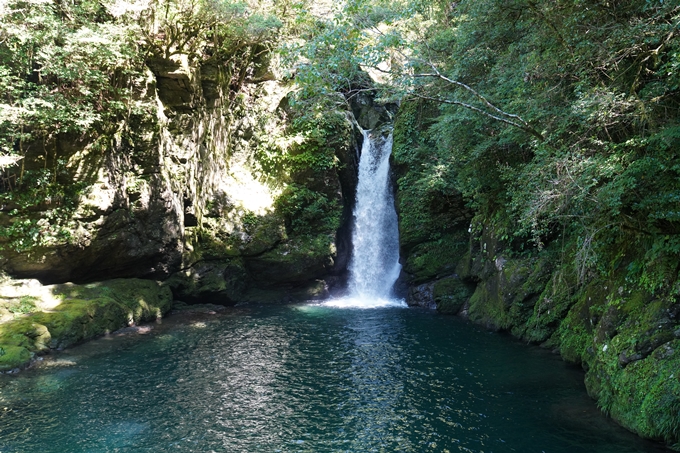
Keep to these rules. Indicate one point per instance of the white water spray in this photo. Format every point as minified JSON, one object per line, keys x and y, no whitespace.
{"x":374,"y":267}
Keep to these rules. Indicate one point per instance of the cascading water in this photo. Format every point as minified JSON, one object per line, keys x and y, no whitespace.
{"x":375,"y":260}
{"x":374,"y":267}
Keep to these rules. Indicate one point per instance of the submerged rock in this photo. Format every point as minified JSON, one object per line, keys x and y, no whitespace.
{"x":134,"y":330}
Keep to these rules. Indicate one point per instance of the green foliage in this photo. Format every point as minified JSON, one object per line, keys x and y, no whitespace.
{"x":429,"y":202}
{"x":307,"y":211}
{"x":319,"y":135}
{"x":308,"y":203}
{"x":594,"y":201}
{"x":80,"y":67}
{"x":433,"y":259}
{"x":80,"y":72}
{"x":596,"y":82}
{"x":66,"y":68}
{"x":41,"y":213}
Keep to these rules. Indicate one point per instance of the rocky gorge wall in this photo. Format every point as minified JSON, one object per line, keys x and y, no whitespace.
{"x":156,"y":196}
{"x":626,"y":338}
{"x":218,"y":192}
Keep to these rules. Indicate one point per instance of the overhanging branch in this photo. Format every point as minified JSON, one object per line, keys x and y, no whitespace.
{"x":509,"y":118}
{"x":522,"y":126}
{"x":499,"y":115}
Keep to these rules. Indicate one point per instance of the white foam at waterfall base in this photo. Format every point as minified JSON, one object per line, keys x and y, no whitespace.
{"x":356,"y":302}
{"x":374,"y":267}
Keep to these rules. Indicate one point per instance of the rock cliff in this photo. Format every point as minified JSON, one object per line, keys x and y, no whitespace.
{"x":215,"y":187}
{"x":183,"y":187}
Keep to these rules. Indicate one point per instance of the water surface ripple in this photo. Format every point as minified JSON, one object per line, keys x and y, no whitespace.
{"x":306,"y":378}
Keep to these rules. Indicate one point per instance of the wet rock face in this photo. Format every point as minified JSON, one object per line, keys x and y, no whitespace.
{"x":368,"y":113}
{"x":422,"y":296}
{"x":348,"y":178}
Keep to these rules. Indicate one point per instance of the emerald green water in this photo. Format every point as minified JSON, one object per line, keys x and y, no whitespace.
{"x":306,"y":379}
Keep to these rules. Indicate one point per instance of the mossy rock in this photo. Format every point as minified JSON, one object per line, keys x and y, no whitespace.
{"x":76,"y":320}
{"x":298,"y":260}
{"x":576,"y":331}
{"x":487,"y":306}
{"x":263,"y":235}
{"x":247,"y":235}
{"x":506,"y":297}
{"x":465,"y":265}
{"x":450,"y":294}
{"x":142,"y":299}
{"x":434,"y":259}
{"x":542,"y":302}
{"x":220,"y":282}
{"x":12,"y":357}
{"x":645,"y":395}
{"x":313,"y":290}
{"x":85,"y":311}
{"x":625,"y":337}
{"x":634,"y":359}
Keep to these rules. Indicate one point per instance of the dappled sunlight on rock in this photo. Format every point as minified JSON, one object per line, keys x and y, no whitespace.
{"x":57,"y":316}
{"x":41,"y":297}
{"x":247,"y":191}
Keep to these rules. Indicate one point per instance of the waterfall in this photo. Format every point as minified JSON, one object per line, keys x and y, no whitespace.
{"x":375,"y":256}
{"x":374,"y":266}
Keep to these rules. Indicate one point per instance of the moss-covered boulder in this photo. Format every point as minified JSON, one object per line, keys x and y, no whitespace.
{"x":66,"y":314}
{"x":222,"y":282}
{"x":302,"y":259}
{"x":451,"y":294}
{"x":629,"y":343}
{"x":447,"y":295}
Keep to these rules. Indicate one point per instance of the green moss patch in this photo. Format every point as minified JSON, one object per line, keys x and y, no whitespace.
{"x":85,"y":311}
{"x":297,"y":260}
{"x":645,"y":395}
{"x":434,"y":259}
{"x":450,"y":294}
{"x":13,"y":356}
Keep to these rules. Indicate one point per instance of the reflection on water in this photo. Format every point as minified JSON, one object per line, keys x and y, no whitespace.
{"x":306,"y":379}
{"x":376,"y":385}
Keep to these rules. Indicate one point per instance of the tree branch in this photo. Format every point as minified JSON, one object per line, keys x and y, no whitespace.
{"x":502,"y":116}
{"x":522,"y":126}
{"x":438,"y":75}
